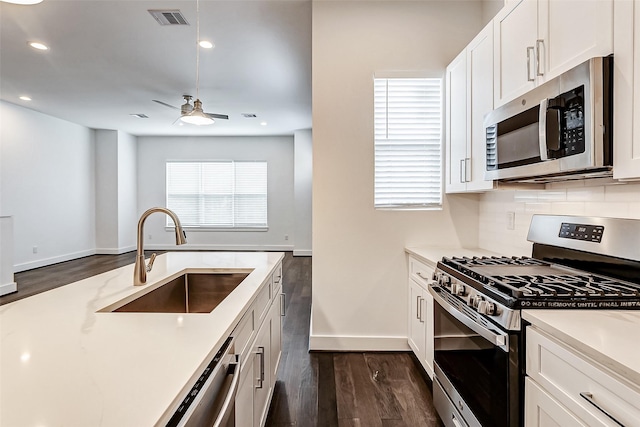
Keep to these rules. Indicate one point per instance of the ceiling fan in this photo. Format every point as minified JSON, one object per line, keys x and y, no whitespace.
{"x":193,"y":113}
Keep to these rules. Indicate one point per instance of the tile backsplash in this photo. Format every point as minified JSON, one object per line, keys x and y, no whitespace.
{"x":498,"y":231}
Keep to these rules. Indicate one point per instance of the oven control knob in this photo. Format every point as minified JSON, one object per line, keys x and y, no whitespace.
{"x":457,"y":289}
{"x":474,"y":301}
{"x":445,"y":280}
{"x":486,"y":307}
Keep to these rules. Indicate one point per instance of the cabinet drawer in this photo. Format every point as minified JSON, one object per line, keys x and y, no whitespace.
{"x":243,"y":336}
{"x":585,"y":387}
{"x":420,"y":272}
{"x":261,"y":304}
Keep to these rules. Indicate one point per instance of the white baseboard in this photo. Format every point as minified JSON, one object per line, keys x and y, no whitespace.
{"x":7,"y":288}
{"x":302,"y":252}
{"x":115,"y":251}
{"x":53,"y":260}
{"x":353,"y":343}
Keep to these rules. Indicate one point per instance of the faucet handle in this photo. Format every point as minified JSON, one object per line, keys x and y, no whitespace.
{"x":151,"y":260}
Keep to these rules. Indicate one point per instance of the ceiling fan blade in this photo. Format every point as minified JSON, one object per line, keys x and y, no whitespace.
{"x":217,"y":116}
{"x":165,"y":104}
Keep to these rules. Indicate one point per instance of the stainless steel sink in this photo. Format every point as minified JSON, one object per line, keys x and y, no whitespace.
{"x":189,"y":293}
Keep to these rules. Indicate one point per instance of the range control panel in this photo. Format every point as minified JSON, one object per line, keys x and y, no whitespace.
{"x":590,"y":233}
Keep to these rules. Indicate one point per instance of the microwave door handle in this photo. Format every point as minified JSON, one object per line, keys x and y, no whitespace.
{"x":542,"y":130}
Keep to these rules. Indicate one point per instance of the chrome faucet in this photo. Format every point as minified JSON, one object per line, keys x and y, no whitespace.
{"x":141,"y":268}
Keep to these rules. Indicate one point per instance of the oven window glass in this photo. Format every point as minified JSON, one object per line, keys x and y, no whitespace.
{"x":477,"y":369}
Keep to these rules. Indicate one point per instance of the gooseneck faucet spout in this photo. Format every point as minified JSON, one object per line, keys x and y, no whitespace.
{"x":141,"y":268}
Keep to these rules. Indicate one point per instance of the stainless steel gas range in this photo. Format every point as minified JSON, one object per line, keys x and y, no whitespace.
{"x":577,"y":263}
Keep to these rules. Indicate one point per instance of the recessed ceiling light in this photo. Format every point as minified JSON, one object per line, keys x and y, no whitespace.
{"x":206,"y":44}
{"x":25,"y":98}
{"x":22,"y":1}
{"x":37,"y":45}
{"x":263,"y":123}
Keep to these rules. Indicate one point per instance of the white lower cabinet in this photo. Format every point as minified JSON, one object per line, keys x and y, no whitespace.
{"x":566,"y":388}
{"x":542,"y":410}
{"x":420,"y":336}
{"x":260,"y":365}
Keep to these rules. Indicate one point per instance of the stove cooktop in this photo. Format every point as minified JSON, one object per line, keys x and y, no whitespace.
{"x":531,"y":283}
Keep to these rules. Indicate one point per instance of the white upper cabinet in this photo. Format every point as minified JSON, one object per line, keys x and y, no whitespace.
{"x":469,"y":97}
{"x":626,"y":91}
{"x":537,"y":40}
{"x":479,"y":103}
{"x":456,"y":124}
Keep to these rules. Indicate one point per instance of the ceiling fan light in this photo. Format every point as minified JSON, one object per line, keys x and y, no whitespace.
{"x":197,"y":118}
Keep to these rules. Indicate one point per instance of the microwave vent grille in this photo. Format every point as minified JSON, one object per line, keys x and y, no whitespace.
{"x":492,"y":147}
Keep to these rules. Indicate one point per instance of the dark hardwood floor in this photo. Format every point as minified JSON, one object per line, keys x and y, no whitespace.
{"x":313,"y":388}
{"x":341,"y":389}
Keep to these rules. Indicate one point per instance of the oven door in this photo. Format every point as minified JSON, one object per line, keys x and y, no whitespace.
{"x":477,"y":367}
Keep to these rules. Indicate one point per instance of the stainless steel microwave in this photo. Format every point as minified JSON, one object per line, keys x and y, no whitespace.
{"x":559,"y":130}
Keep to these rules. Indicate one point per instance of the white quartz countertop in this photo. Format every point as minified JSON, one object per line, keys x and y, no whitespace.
{"x":610,"y":337}
{"x":65,"y":363}
{"x":432,"y":254}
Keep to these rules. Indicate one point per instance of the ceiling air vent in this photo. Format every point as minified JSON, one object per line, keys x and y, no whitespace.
{"x":248,"y":115}
{"x":168,"y":17}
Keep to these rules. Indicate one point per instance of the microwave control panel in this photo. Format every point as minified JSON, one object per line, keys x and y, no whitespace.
{"x":573,"y":126}
{"x":589,"y":233}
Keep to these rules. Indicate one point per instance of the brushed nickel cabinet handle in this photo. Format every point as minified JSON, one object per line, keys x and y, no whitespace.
{"x":589,"y":398}
{"x":283,"y":308}
{"x":529,"y":50}
{"x":462,"y":171}
{"x":418,"y":308}
{"x":260,"y":378}
{"x":539,"y":46}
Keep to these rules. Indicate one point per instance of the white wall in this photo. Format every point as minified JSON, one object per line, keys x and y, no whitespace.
{"x":359,"y":298}
{"x":153,"y":152}
{"x":47,"y":186}
{"x":303,"y":176}
{"x":116,"y":191}
{"x":585,"y":198}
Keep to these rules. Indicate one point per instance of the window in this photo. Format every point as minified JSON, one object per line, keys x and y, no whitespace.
{"x":408,"y":143}
{"x":218,"y":194}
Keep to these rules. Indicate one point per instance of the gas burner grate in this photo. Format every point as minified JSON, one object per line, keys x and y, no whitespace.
{"x":486,"y":261}
{"x":566,"y":285}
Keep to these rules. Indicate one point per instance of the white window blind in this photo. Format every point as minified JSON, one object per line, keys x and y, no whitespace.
{"x":218,"y":194}
{"x":408,"y":140}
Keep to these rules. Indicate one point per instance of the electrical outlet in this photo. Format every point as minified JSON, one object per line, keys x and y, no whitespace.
{"x":35,"y":249}
{"x":511,"y":220}
{"x":286,"y":237}
{"x":150,"y":236}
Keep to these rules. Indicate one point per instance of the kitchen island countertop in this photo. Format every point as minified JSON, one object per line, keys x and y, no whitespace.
{"x":64,"y":362}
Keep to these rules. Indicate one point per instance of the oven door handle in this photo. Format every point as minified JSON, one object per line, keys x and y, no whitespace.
{"x":499,"y":340}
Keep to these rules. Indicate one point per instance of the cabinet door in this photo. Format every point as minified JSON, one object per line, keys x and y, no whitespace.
{"x":515,"y":34}
{"x":626,"y":75}
{"x":456,"y":124}
{"x":276,"y":336}
{"x":570,"y":32}
{"x":416,"y":322}
{"x":542,"y":410}
{"x":428,"y":332}
{"x":244,"y":399}
{"x":479,"y":103}
{"x":262,"y":374}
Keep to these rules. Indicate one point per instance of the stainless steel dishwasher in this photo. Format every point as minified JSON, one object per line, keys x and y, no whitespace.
{"x":211,"y":401}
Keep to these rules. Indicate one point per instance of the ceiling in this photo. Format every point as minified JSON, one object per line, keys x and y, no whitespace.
{"x":109,"y":59}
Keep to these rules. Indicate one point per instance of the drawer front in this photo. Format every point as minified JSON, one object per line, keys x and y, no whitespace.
{"x":244,"y":333}
{"x":261,"y":304}
{"x":420,"y":272}
{"x":277,"y":281}
{"x":587,"y":389}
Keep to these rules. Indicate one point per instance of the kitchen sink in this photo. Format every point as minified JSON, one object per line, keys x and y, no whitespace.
{"x":189,"y":293}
